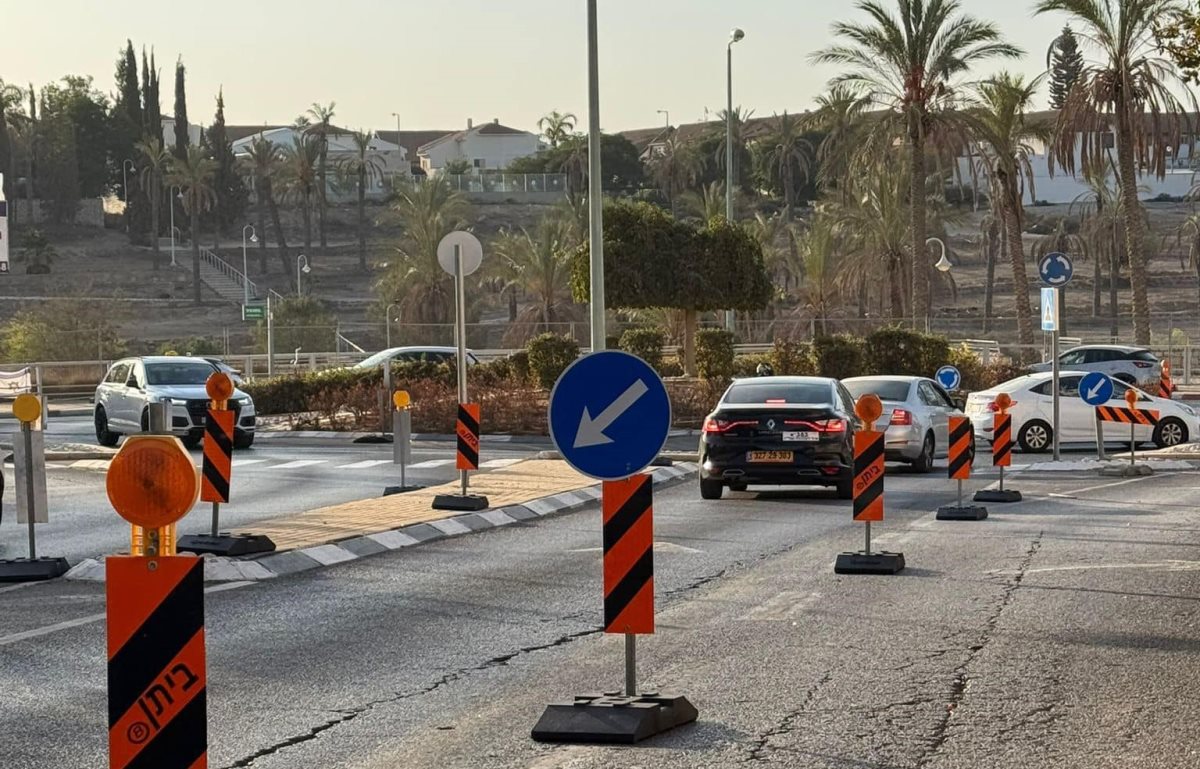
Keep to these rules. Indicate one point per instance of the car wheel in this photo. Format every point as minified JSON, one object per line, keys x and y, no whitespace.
{"x":242,"y":441}
{"x":924,"y":462}
{"x":845,"y":488}
{"x":737,"y":487}
{"x":1035,"y":436}
{"x":192,"y":440}
{"x":710,"y":488}
{"x":104,"y":436}
{"x":1170,"y":432}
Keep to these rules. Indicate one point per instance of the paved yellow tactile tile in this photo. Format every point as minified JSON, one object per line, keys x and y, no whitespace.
{"x":512,"y":485}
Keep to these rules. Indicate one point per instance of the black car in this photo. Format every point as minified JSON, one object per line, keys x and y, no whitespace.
{"x":779,"y":430}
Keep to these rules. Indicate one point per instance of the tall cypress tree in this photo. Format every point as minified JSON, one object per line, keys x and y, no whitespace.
{"x":151,"y":103}
{"x":128,"y":121}
{"x":181,"y":118}
{"x":1065,"y":63}
{"x":232,"y":195}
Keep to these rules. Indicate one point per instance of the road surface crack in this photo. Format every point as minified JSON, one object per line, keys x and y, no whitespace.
{"x":761,"y":745}
{"x":958,"y":685}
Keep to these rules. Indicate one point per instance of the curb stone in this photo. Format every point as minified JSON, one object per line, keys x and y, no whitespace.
{"x":268,"y":566}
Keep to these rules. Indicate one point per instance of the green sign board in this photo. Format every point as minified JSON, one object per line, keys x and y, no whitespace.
{"x":254,"y":312}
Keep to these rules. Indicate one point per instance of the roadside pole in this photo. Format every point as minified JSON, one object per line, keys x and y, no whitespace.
{"x":869,"y":472}
{"x":29,"y":465}
{"x":270,"y":340}
{"x":1055,"y":269}
{"x":595,"y":188}
{"x":401,"y":440}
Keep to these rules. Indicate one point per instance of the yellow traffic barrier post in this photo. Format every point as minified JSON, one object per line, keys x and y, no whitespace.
{"x":962,"y":455}
{"x":216,"y":477}
{"x":1002,"y":448}
{"x":1132,"y":416}
{"x":401,"y":440}
{"x":29,"y":465}
{"x":869,"y":472}
{"x":156,"y":670}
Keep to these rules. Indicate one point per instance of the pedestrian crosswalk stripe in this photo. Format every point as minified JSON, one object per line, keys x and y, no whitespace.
{"x":365,"y":464}
{"x":244,"y":462}
{"x":299,"y":463}
{"x":501,"y":462}
{"x":431,"y":464}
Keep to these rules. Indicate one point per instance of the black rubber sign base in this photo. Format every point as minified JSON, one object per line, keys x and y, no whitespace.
{"x":390,"y":490}
{"x":467,"y":504}
{"x":964,"y":513}
{"x":613,"y":719}
{"x":995,"y":495}
{"x":225,"y":544}
{"x":32,"y":570}
{"x":875,"y":563}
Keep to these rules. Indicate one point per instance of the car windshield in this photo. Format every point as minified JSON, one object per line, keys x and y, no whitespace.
{"x":375,"y":360}
{"x":178,"y":373}
{"x":779,"y":392}
{"x":886,"y":389}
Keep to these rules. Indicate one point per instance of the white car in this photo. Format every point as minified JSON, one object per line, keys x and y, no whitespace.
{"x":1033,"y":409}
{"x":916,"y":415}
{"x":415,"y":355}
{"x":123,"y":400}
{"x":1132,"y":365}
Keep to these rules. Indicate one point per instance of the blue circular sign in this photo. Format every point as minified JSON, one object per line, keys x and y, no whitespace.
{"x":948,"y":377}
{"x":1056,"y":269}
{"x":609,"y":415}
{"x":1096,"y":389}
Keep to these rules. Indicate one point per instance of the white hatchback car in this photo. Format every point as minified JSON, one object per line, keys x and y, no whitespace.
{"x":1033,"y":408}
{"x":131,"y":385}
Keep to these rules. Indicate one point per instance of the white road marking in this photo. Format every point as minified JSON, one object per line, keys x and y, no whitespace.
{"x":91,"y":618}
{"x":299,"y":463}
{"x":493,"y":463}
{"x":431,"y":464}
{"x":365,"y":464}
{"x":244,"y":462}
{"x":1109,"y":485}
{"x":783,"y":606}
{"x":659,"y":547}
{"x":91,"y":464}
{"x":1166,"y":565}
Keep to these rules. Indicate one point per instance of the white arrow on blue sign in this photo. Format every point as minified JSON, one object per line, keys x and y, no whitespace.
{"x":1056,"y":269}
{"x":1096,"y":389}
{"x":609,"y":415}
{"x":948,"y":377}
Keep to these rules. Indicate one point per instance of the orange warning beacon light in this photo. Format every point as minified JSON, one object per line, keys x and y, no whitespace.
{"x":1131,"y":397}
{"x":1004,"y":402}
{"x":152,"y":482}
{"x":869,"y":408}
{"x":219,"y":386}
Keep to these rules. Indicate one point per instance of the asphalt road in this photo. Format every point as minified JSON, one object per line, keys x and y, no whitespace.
{"x":1061,"y":632}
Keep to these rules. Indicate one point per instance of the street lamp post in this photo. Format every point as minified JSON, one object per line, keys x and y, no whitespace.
{"x":174,"y":229}
{"x":943,"y":265}
{"x":595,"y":189}
{"x":245,"y":264}
{"x":387,"y":322}
{"x":127,"y":163}
{"x":666,"y":113}
{"x":734,"y":36}
{"x":301,"y":268}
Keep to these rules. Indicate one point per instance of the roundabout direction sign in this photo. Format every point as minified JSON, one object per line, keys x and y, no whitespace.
{"x":1056,"y":269}
{"x":609,"y":415}
{"x":948,"y":377}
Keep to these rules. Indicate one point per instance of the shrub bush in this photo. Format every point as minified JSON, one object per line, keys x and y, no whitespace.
{"x":519,"y":363}
{"x":838,"y":356}
{"x":792,"y":359}
{"x":747,"y":365}
{"x":646,"y":343}
{"x":714,"y":353}
{"x":895,"y":350}
{"x":549,"y":356}
{"x":670,"y":367}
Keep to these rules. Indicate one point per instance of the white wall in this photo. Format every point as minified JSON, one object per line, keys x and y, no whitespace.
{"x":495,"y":150}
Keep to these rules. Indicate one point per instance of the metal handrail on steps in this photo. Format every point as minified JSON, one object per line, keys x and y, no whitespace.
{"x":234,"y":274}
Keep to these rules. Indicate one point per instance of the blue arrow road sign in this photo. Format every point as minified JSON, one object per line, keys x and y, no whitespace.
{"x":1056,"y":269}
{"x":1096,"y":389}
{"x":948,"y":377}
{"x":609,"y":415}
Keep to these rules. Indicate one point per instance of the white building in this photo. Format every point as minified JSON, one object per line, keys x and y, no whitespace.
{"x":489,"y":146}
{"x":392,"y":159}
{"x":168,"y":132}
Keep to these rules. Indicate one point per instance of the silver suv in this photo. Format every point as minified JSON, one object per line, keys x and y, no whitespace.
{"x":131,"y":385}
{"x":1132,"y":365}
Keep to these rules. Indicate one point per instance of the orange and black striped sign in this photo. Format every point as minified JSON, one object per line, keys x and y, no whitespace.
{"x":1002,"y":441}
{"x":157,"y":713}
{"x":218,"y":456}
{"x":960,"y":448}
{"x":1166,"y":388}
{"x":629,"y":555}
{"x":1148,"y":417}
{"x":468,"y":436}
{"x":868,"y":476}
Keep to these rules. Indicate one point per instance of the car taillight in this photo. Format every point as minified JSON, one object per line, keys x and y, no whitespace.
{"x":901,"y":417}
{"x":1142,"y":364}
{"x":712,"y":425}
{"x":830,"y":425}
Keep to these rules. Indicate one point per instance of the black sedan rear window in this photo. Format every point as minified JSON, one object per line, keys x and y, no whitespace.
{"x":799,"y":392}
{"x":886,"y":389}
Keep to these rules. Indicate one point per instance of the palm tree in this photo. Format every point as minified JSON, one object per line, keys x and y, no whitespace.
{"x":300,"y":180}
{"x":11,"y":99}
{"x":1189,"y":230}
{"x":789,"y":158}
{"x":193,"y":174}
{"x":1003,"y":137}
{"x":1127,"y":91}
{"x":840,"y":116}
{"x":322,"y":114}
{"x":906,"y":65}
{"x":156,"y":160}
{"x":708,"y":203}
{"x":741,"y":119}
{"x":364,"y":168}
{"x":428,"y":211}
{"x":815,"y":268}
{"x":266,"y":162}
{"x":992,"y":246}
{"x":575,"y":165}
{"x":778,"y":240}
{"x":676,"y":170}
{"x":540,"y":263}
{"x":557,"y":127}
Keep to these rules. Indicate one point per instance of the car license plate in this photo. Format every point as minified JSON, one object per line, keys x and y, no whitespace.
{"x":770,"y":456}
{"x":802,"y":436}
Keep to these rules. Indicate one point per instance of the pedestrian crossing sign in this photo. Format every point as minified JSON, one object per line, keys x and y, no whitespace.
{"x":1049,"y":309}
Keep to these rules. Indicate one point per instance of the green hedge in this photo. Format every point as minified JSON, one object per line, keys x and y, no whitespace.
{"x":646,"y":343}
{"x":714,"y":353}
{"x":549,"y":356}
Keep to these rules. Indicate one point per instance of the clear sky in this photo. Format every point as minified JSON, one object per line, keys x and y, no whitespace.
{"x":438,"y":62}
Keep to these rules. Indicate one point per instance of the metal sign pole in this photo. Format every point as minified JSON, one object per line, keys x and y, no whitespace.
{"x":30,"y":491}
{"x":1054,"y":386}
{"x":1100,"y":453}
{"x":270,"y":340}
{"x":867,"y":544}
{"x":1132,"y":447}
{"x":461,"y":326}
{"x":1002,"y":478}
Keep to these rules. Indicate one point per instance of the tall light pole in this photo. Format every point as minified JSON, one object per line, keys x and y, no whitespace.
{"x":387,"y":320}
{"x":942,"y":265}
{"x":734,"y":36}
{"x":245,"y":265}
{"x":595,"y":201}
{"x":127,"y":163}
{"x":171,"y":198}
{"x":302,"y":268}
{"x":666,"y":113}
